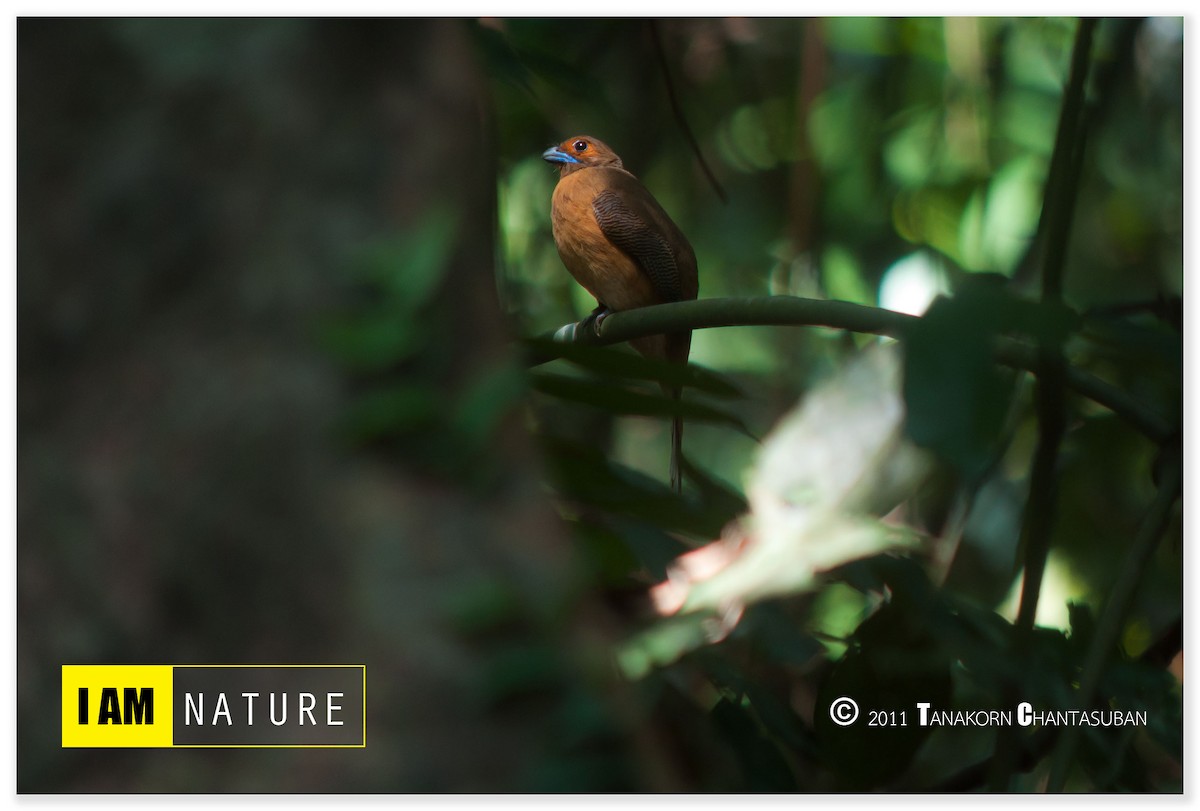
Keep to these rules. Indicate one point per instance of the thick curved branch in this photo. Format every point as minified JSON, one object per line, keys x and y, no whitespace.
{"x":795,"y":311}
{"x":754,"y":311}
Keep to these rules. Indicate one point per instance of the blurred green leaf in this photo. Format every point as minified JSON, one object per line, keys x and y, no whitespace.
{"x":955,"y":396}
{"x":481,"y":605}
{"x":842,"y":277}
{"x":1010,"y":214}
{"x":398,"y":276}
{"x":410,"y":266}
{"x":610,"y":554}
{"x":836,"y":138}
{"x":585,"y":474}
{"x":911,"y":155}
{"x":393,"y":409}
{"x":502,"y":60}
{"x":490,"y":395}
{"x":615,"y":399}
{"x":663,"y":643}
{"x":618,"y":364}
{"x":1136,"y":343}
{"x":713,"y":492}
{"x":373,"y":342}
{"x":515,"y":671}
{"x":892,"y":664}
{"x":775,"y":714}
{"x":831,"y":465}
{"x":772,"y":630}
{"x":765,"y":769}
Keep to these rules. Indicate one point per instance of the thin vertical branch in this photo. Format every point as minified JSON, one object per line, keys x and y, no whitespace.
{"x":804,"y":189}
{"x":1108,"y":629}
{"x":1050,"y":405}
{"x":1051,"y":389}
{"x":1062,"y":183}
{"x":1050,"y":393}
{"x":677,"y":109}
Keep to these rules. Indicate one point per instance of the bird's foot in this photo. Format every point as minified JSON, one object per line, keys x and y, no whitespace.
{"x":595,"y":319}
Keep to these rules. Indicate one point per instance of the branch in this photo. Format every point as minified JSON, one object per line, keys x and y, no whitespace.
{"x":1116,"y":400}
{"x":1041,"y":508}
{"x":1108,"y":628}
{"x":677,"y":109}
{"x":794,"y":311}
{"x":1066,"y":162}
{"x":754,"y":311}
{"x":1042,"y":742}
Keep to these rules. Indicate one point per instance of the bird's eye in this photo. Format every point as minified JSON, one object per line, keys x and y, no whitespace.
{"x":580,"y":146}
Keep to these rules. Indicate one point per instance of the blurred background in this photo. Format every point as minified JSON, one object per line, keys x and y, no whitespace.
{"x":273,"y":405}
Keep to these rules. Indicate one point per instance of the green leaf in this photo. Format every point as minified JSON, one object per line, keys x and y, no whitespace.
{"x":393,"y":409}
{"x":517,"y":671}
{"x":502,"y":61}
{"x":842,"y":277}
{"x":607,"y":552}
{"x":661,"y":644}
{"x":774,"y":712}
{"x":623,"y":546}
{"x":584,"y":474}
{"x":410,"y":266}
{"x":956,"y":397}
{"x":892,"y":664}
{"x":1137,"y":343}
{"x":763,"y":765}
{"x":614,"y":399}
{"x":714,"y":492}
{"x":481,"y":605}
{"x":373,"y":342}
{"x":620,"y":364}
{"x":489,"y":395}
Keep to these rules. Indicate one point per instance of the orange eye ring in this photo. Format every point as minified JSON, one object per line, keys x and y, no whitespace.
{"x":580,"y":145}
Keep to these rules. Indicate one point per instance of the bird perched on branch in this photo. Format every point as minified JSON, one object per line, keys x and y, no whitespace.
{"x":617,"y":242}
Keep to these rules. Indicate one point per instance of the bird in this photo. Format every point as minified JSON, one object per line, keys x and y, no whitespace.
{"x":623,"y":248}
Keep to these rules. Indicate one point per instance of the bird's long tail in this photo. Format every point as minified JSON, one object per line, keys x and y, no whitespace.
{"x":676,"y":448}
{"x":677,"y":347}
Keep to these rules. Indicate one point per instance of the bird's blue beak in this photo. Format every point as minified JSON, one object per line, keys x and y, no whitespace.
{"x":555,"y":155}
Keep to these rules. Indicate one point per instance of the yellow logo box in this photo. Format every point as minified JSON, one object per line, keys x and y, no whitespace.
{"x":117,"y":705}
{"x":292,"y":706}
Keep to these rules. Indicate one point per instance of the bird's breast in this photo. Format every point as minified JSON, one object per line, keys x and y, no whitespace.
{"x":599,"y":266}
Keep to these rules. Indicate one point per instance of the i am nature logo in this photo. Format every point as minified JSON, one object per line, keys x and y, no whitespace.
{"x":214,"y":705}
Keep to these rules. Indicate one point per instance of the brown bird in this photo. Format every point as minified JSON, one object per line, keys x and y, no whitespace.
{"x":617,"y":242}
